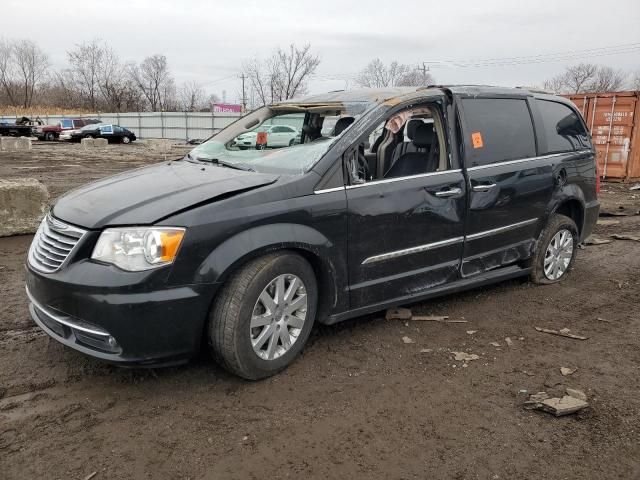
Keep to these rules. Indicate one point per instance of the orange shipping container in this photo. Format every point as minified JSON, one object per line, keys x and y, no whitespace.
{"x":613,"y":121}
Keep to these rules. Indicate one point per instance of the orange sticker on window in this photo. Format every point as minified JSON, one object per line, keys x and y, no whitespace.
{"x":261,"y":138}
{"x":476,"y":138}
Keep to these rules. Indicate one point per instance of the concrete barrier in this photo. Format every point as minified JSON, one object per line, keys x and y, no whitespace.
{"x":23,"y":144}
{"x":100,"y":142}
{"x":23,"y":203}
{"x":162,"y":145}
{"x":8,"y":144}
{"x":87,"y":143}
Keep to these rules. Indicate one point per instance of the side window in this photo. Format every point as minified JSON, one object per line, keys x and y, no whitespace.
{"x":563,"y":129}
{"x":497,"y":130}
{"x":117,"y":129}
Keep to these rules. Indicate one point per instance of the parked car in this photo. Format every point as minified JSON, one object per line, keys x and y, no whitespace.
{"x":22,"y":127}
{"x":276,"y":136}
{"x":113,"y":133}
{"x":414,"y":194}
{"x":52,"y":132}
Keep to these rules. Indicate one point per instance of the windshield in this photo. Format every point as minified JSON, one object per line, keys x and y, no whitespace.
{"x":283,"y":138}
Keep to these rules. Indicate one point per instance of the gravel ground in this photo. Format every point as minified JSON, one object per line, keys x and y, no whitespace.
{"x":359,"y":402}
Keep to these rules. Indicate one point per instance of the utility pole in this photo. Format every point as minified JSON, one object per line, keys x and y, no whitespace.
{"x":244,"y":94}
{"x":424,"y":69}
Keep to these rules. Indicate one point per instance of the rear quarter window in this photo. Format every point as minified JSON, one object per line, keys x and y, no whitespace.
{"x":497,"y":130}
{"x":564,"y":131}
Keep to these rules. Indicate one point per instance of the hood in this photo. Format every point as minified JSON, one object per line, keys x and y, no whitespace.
{"x":146,"y":195}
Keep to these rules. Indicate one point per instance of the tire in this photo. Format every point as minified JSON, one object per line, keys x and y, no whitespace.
{"x":126,"y":140}
{"x":231,"y":338}
{"x":89,"y":136}
{"x":291,"y":142}
{"x":50,"y":136}
{"x":556,"y":231}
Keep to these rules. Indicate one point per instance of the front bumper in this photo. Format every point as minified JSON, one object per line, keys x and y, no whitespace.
{"x":128,"y":324}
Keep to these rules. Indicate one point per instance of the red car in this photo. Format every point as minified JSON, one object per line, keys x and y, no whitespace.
{"x":52,"y":132}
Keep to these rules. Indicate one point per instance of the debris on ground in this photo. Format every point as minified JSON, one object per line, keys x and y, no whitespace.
{"x":471,"y":332}
{"x":600,"y":319}
{"x":635,"y":187}
{"x":495,"y":344}
{"x":426,"y":350}
{"x":564,"y":371}
{"x":509,"y":342}
{"x":575,"y":393}
{"x":464,"y":356}
{"x":607,"y":221}
{"x":626,"y":236}
{"x":557,"y":406}
{"x":406,"y":314}
{"x":398,"y":314}
{"x":90,"y":476}
{"x":565,"y":332}
{"x":408,"y":340}
{"x":596,"y":240}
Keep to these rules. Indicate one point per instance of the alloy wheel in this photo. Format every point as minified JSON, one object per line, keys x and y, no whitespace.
{"x":558,"y":255}
{"x":278,"y":316}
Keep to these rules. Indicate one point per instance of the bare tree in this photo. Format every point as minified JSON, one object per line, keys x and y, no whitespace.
{"x":31,"y":64}
{"x":586,"y":78}
{"x":635,"y":80}
{"x":154,"y":79}
{"x":86,"y":60}
{"x":118,"y":91}
{"x":7,"y":73}
{"x":416,"y":78}
{"x":282,"y":76}
{"x":191,"y":97}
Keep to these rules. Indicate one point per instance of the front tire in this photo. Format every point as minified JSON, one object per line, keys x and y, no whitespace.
{"x":126,"y":140}
{"x":262,"y":318}
{"x":556,"y":250}
{"x":50,"y":137}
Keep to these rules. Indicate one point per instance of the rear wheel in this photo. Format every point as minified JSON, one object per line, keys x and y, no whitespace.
{"x":556,"y":250}
{"x":262,"y":318}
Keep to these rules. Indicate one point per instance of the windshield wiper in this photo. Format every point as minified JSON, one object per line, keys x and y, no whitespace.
{"x":222,"y":163}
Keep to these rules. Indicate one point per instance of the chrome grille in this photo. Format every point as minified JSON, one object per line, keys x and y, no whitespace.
{"x":52,"y":244}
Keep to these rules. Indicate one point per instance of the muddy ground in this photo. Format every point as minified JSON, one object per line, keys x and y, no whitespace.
{"x":359,"y":402}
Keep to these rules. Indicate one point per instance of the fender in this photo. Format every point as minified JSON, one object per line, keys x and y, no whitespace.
{"x":561,"y":196}
{"x":329,"y":265}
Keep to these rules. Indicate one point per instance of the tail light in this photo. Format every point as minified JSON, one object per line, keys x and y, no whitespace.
{"x":597,"y":178}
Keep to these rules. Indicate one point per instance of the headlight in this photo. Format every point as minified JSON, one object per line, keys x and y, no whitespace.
{"x":138,"y":248}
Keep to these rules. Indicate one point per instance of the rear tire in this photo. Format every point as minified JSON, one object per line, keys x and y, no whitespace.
{"x":556,"y":250}
{"x":255,"y":341}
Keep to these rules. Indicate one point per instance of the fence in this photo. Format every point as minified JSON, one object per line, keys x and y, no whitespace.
{"x":172,"y":125}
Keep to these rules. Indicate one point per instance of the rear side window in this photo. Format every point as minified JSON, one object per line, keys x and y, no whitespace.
{"x":563,"y":129}
{"x":498,"y":130}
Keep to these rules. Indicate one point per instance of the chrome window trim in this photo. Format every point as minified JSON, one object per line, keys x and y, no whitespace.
{"x":64,"y":320}
{"x":412,"y":250}
{"x":400,"y":179}
{"x":506,"y":228}
{"x":329,"y":190}
{"x":522,"y":160}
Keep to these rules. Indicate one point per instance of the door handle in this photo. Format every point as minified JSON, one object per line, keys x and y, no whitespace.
{"x":449,"y":193}
{"x":483,"y":188}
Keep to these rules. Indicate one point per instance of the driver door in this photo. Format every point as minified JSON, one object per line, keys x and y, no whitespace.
{"x":405,"y":234}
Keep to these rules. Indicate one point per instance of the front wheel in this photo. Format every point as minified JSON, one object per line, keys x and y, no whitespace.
{"x":556,"y":250}
{"x":50,"y":136}
{"x":126,"y":140}
{"x":262,"y":318}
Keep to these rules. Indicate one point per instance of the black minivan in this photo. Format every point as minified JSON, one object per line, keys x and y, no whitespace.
{"x":387,"y":197}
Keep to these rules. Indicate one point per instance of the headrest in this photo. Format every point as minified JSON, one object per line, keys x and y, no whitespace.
{"x":411,"y":127}
{"x":423,"y":136}
{"x":341,"y":125}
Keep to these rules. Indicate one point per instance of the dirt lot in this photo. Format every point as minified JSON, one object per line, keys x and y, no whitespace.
{"x":359,"y":403}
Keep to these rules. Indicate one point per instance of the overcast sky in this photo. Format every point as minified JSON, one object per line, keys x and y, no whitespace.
{"x":207,"y":41}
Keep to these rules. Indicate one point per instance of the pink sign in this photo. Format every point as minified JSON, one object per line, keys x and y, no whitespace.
{"x":226,"y":108}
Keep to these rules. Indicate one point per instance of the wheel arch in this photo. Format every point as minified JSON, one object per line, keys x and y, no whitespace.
{"x":307,"y":242}
{"x":569,"y":201}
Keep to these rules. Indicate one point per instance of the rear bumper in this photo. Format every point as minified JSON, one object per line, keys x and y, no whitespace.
{"x":127,"y":325}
